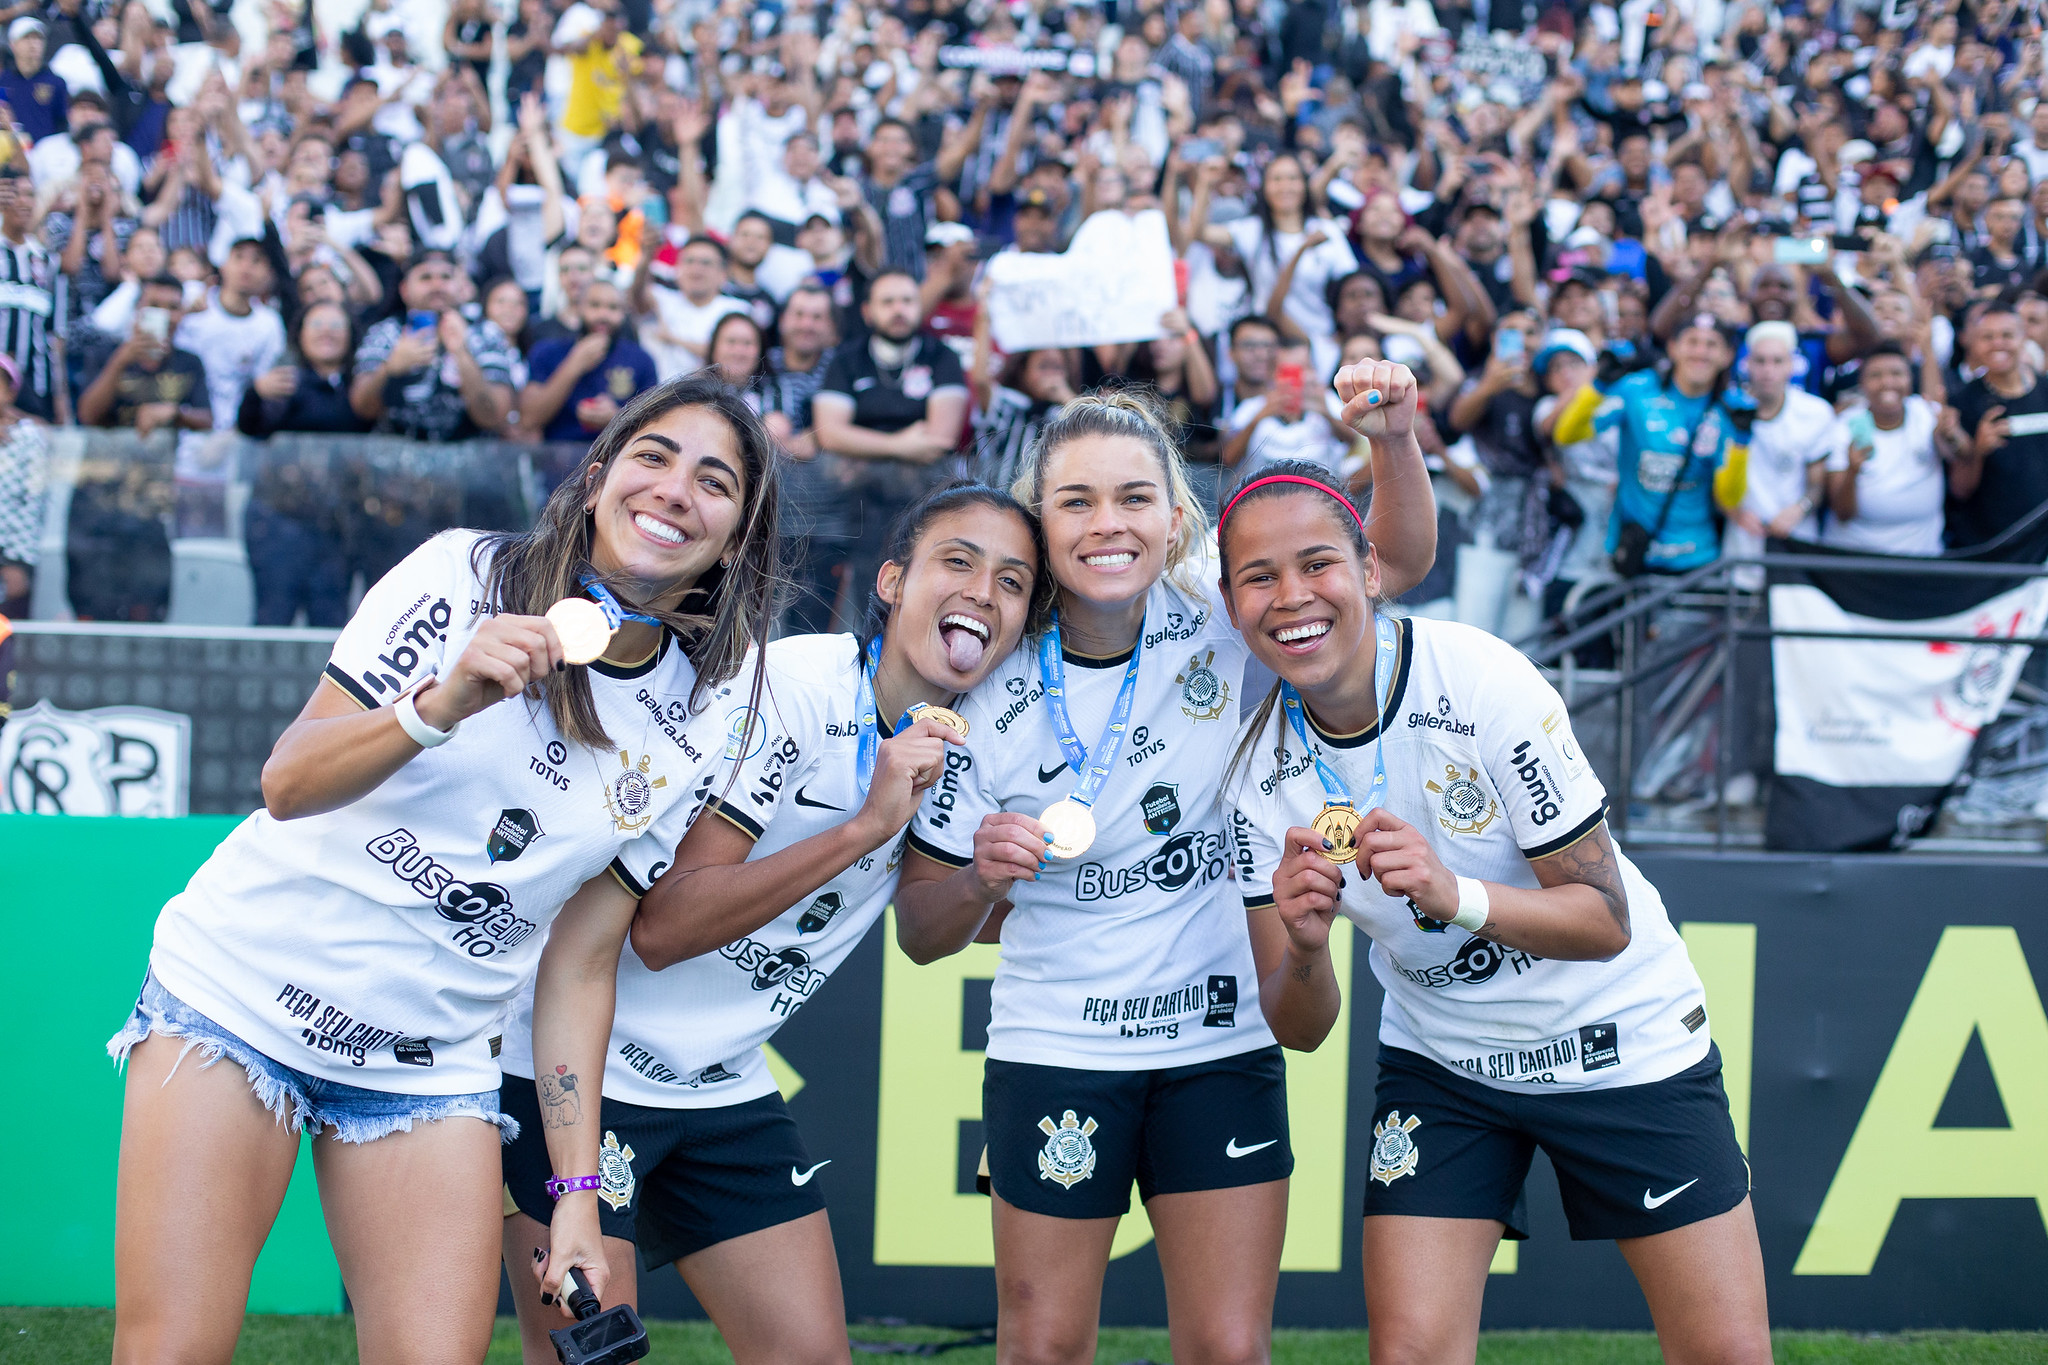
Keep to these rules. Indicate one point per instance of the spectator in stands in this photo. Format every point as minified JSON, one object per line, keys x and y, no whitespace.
{"x":54,"y":160}
{"x":676,"y":313}
{"x":429,"y":374}
{"x":294,"y":527}
{"x":738,"y":354}
{"x":238,"y":335}
{"x":1786,"y":477}
{"x":29,"y":289}
{"x":1885,"y":482}
{"x":906,"y":196}
{"x":816,"y":522}
{"x":1997,"y":466}
{"x":310,"y":391}
{"x":148,"y":383}
{"x":504,"y":303}
{"x":1296,"y":418}
{"x":24,"y":474}
{"x":38,"y":98}
{"x":893,"y":405}
{"x":576,"y":388}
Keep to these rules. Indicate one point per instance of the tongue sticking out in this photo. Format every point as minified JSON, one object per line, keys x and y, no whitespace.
{"x":963,"y":648}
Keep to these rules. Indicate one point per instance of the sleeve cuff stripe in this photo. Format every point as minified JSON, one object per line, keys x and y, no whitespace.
{"x":938,"y":855}
{"x":1565,"y":841}
{"x":1259,"y":902}
{"x":736,"y":818}
{"x":350,"y":686}
{"x":625,"y":878}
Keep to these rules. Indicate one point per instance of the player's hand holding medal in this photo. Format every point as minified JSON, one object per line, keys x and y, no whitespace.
{"x":1069,"y":823}
{"x":894,"y":775}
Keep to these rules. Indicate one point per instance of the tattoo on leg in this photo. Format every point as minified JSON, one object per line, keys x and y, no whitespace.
{"x":560,"y":1105}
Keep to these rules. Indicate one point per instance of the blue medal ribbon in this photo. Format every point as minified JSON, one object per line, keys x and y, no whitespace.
{"x":615,"y":614}
{"x":865,"y":713}
{"x":1334,"y":787}
{"x":1052,"y":672}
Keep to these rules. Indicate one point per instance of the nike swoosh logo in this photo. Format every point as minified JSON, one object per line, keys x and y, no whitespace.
{"x":803,"y":800}
{"x":1659,"y":1201}
{"x":1044,"y":776}
{"x":805,"y":1178}
{"x":1231,"y":1148}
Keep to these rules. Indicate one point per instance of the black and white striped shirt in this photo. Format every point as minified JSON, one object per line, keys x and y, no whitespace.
{"x":31,"y":298}
{"x":1004,"y":432}
{"x":907,"y":210}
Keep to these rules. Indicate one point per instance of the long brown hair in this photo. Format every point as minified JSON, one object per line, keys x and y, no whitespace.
{"x":727,"y":610}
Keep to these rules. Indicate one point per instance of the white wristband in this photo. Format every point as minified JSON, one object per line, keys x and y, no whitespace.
{"x":1473,"y":905}
{"x":417,"y":729}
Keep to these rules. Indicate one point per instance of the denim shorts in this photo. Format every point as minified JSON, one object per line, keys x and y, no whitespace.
{"x":304,"y":1102}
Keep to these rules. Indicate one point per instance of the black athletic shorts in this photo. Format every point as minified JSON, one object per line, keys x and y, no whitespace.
{"x":1631,"y":1161}
{"x":1068,"y":1143}
{"x":675,"y":1180}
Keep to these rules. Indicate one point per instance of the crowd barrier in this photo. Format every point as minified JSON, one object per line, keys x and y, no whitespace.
{"x":190,"y":528}
{"x":1880,"y":1022}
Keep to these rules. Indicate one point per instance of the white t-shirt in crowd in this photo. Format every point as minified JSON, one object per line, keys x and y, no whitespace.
{"x":1307,"y":301}
{"x":234,"y":349}
{"x":380,"y":944}
{"x":1480,"y":757}
{"x":1134,"y":955}
{"x":1901,"y":491}
{"x":680,"y":318}
{"x":689,"y":1036}
{"x":1781,"y":450}
{"x":1308,"y":437}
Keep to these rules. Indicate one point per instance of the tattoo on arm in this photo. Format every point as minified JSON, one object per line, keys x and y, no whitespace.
{"x":1304,"y":972}
{"x":560,"y":1105}
{"x":1591,"y":862}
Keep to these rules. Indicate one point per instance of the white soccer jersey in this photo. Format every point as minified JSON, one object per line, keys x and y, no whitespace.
{"x":690,"y":1036}
{"x":379,"y":944}
{"x":1481,"y":758}
{"x":1134,"y":955}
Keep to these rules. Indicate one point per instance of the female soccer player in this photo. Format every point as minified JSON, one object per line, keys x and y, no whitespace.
{"x":1126,"y":1039}
{"x":1536,"y":993}
{"x":450,"y":784}
{"x":703,"y":1165}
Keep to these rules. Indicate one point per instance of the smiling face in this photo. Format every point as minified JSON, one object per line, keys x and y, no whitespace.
{"x":1298,"y":590}
{"x":1109,"y":518}
{"x":1887,"y":379}
{"x":670,"y":505}
{"x":961,"y":603}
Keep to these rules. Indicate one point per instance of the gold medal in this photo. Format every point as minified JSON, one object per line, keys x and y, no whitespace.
{"x":584,"y":631}
{"x":1337,"y":821}
{"x":1071,"y":825}
{"x":940,"y":715}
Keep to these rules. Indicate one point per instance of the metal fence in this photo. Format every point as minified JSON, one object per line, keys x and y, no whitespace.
{"x":1670,"y":684}
{"x":214,"y":529}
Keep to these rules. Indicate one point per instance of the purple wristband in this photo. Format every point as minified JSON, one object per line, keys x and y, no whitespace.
{"x":558,"y":1186}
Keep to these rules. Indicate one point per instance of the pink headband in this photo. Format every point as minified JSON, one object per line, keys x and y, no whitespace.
{"x":1342,"y":501}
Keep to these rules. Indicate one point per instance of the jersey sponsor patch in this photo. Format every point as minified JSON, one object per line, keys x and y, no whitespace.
{"x":1068,"y":1157}
{"x":510,"y":836}
{"x":1394,"y":1153}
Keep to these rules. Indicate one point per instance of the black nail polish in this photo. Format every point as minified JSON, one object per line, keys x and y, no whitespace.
{"x":1329,"y":847}
{"x":561,"y":665}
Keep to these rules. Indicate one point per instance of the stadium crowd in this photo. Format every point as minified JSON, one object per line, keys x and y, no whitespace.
{"x":1815,"y":231}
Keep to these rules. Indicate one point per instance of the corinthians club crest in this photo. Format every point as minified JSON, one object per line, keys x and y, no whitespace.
{"x":1203,"y":695}
{"x":1464,"y":808}
{"x":1069,"y":1157}
{"x":615,"y":1171}
{"x":630,"y":796}
{"x":1393,"y":1151}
